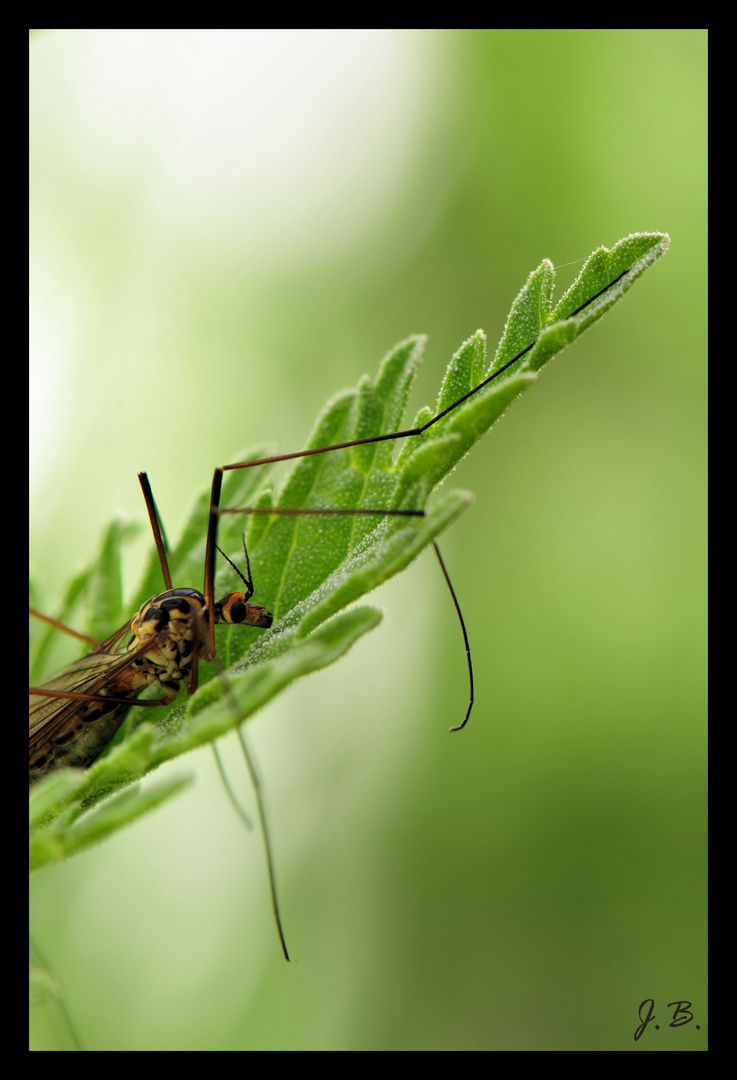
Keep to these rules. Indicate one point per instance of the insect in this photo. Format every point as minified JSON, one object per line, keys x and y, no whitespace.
{"x":306,"y":575}
{"x":78,"y":711}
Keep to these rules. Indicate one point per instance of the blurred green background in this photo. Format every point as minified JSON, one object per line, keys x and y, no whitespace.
{"x":227,"y":227}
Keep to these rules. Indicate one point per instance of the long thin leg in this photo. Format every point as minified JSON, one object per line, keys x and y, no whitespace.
{"x":409,"y":431}
{"x":40,"y":691}
{"x":63,"y":626}
{"x":291,"y":510}
{"x":459,"y":727}
{"x":45,"y":691}
{"x":257,"y":787}
{"x":153,"y":517}
{"x":40,"y":962}
{"x":208,"y":587}
{"x":208,"y":637}
{"x":229,"y":790}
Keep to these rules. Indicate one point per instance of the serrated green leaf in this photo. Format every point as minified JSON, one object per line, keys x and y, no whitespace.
{"x":64,"y":836}
{"x":308,"y":569}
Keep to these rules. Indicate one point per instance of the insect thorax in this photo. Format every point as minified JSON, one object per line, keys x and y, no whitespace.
{"x":175,"y":621}
{"x":74,"y":733}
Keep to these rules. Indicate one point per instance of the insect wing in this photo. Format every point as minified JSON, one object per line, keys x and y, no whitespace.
{"x":92,"y":673}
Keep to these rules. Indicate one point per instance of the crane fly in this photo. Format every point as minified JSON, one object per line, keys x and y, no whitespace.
{"x":76,"y":713}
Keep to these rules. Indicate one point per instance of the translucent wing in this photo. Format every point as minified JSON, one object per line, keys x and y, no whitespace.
{"x":56,"y":722}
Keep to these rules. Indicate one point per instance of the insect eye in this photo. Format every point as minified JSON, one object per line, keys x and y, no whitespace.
{"x":235,"y":611}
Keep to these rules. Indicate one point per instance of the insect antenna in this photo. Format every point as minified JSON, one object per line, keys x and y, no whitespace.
{"x":246,"y":580}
